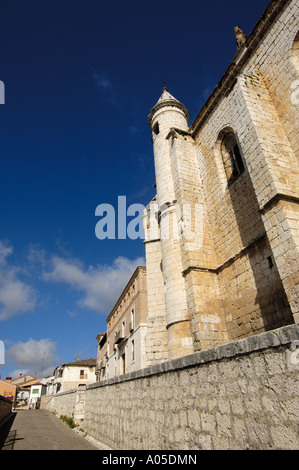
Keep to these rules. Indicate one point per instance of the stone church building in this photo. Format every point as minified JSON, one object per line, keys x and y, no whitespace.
{"x":221,"y":245}
{"x":222,"y":233}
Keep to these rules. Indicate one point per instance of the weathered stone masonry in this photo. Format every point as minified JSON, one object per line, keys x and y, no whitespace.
{"x":223,"y":308}
{"x":240,"y":276}
{"x":242,"y":395}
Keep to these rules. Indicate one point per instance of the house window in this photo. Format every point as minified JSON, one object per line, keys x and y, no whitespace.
{"x":231,"y":156}
{"x":133,"y":351}
{"x":132,"y":322}
{"x":82,"y":374}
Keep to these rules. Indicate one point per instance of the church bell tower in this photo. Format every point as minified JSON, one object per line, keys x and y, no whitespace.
{"x":167,"y":114}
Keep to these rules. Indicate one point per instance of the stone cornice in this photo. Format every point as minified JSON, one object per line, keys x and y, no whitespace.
{"x":228,"y":262}
{"x":166,"y":103}
{"x":241,"y":58}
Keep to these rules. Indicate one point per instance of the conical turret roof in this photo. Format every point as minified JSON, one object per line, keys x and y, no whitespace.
{"x":166,"y":96}
{"x":166,"y":99}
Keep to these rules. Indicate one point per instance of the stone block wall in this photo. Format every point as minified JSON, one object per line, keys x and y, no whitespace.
{"x":62,"y":403}
{"x":242,"y":395}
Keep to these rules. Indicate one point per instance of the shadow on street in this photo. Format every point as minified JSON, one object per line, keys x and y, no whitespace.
{"x":8,"y":437}
{"x":40,"y":430}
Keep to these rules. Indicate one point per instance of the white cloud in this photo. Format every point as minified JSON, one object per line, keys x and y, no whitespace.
{"x":34,"y":356}
{"x":36,"y":257}
{"x":100,"y":285}
{"x":16,"y":297}
{"x":4,"y":252}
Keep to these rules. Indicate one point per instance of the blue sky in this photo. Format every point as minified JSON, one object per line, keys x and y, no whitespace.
{"x":80,"y":79}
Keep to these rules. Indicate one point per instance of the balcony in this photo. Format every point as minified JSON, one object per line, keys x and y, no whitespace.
{"x":119,"y":337}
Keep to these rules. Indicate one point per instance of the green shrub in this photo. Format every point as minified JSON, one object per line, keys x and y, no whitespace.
{"x":68,"y":421}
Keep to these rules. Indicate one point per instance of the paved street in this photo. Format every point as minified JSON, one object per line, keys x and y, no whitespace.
{"x":40,"y":430}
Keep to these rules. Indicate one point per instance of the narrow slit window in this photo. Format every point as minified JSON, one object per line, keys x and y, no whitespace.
{"x":156,"y":129}
{"x":231,"y":156}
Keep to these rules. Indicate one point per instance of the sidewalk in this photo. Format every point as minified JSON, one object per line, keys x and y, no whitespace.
{"x":40,"y":430}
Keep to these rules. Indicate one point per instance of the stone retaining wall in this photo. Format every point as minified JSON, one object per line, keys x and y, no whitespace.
{"x":242,"y":395}
{"x":62,"y":403}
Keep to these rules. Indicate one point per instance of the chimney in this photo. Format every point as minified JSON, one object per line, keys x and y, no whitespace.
{"x":20,"y":375}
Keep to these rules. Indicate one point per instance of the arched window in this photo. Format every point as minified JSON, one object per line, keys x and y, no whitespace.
{"x":231,"y":156}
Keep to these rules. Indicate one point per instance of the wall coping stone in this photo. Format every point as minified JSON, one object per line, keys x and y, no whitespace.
{"x":68,"y":392}
{"x":270,"y":339}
